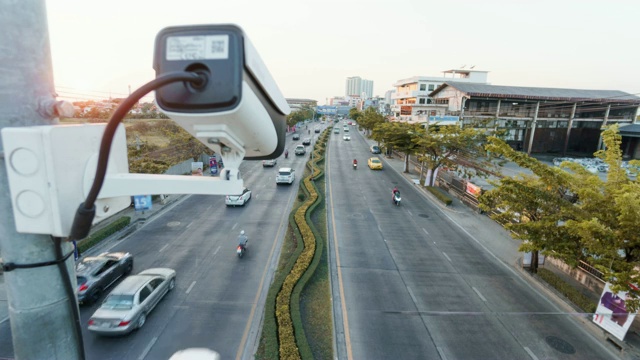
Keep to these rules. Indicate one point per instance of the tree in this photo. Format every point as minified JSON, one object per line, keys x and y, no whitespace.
{"x":370,"y":118}
{"x":355,"y":114}
{"x":451,"y":146}
{"x":399,"y":136}
{"x":571,"y":214}
{"x":534,"y":208}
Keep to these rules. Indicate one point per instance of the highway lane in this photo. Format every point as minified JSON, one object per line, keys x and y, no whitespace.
{"x":219,"y":299}
{"x":416,"y":286}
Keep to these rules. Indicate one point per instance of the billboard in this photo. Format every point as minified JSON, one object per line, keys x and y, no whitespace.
{"x":327,"y":110}
{"x":444,"y":120}
{"x":612,"y":314}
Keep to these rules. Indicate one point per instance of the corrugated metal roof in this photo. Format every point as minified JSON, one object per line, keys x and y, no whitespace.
{"x":535,"y":93}
{"x":633,"y":129}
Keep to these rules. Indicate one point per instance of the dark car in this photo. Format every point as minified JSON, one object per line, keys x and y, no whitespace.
{"x":96,"y":273}
{"x":296,"y":137}
{"x":317,"y":130}
{"x":306,"y":141}
{"x":375,"y":149}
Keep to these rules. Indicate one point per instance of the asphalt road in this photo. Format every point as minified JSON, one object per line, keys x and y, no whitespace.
{"x":410,"y":283}
{"x":219,"y":299}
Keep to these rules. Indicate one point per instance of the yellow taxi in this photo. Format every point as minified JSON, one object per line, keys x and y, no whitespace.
{"x":374,"y":163}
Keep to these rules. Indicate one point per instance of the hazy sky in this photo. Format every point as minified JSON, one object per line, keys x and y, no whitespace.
{"x":310,"y":47}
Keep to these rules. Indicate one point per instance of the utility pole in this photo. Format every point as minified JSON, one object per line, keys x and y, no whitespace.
{"x":39,"y":310}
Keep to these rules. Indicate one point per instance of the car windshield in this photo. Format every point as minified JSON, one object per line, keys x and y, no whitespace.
{"x":375,"y":161}
{"x":81,"y":280}
{"x":118,"y":302}
{"x":284,"y":173}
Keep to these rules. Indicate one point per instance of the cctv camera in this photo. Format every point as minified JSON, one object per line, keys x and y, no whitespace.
{"x":238,"y":108}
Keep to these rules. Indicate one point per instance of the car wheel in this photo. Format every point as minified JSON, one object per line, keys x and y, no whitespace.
{"x":172,"y":284}
{"x":141,"y":320}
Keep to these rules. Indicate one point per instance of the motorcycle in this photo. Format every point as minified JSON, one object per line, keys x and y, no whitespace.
{"x":286,"y":154}
{"x":355,"y":166}
{"x":396,"y":198}
{"x":240,"y":250}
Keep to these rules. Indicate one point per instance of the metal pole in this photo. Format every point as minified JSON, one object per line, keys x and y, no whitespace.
{"x":39,"y":310}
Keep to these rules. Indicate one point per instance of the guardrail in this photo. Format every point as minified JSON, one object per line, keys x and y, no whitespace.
{"x":586,"y":267}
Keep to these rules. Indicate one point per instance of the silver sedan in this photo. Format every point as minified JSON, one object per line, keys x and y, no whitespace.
{"x":127,"y":306}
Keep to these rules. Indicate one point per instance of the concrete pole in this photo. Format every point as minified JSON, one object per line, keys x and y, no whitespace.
{"x":604,"y":124}
{"x":42,"y":324}
{"x":533,"y":128}
{"x":569,"y":125}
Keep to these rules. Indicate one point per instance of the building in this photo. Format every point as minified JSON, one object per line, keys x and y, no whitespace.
{"x":411,"y":101}
{"x":540,"y":120}
{"x":297,"y":104}
{"x":357,"y":86}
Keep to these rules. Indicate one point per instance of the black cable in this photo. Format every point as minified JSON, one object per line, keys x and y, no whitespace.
{"x":87,"y":210}
{"x":71,"y":295}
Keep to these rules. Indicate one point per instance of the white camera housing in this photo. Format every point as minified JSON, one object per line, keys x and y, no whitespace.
{"x":239,"y":112}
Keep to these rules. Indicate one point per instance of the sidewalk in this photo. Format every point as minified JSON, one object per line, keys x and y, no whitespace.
{"x":629,"y":348}
{"x":137,"y":218}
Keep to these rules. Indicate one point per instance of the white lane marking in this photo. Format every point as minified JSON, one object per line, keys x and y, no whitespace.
{"x":425,"y":231}
{"x":162,"y":248}
{"x":215,"y":252}
{"x":480,"y":295}
{"x":234,"y":226}
{"x":415,"y":301}
{"x":189,"y":224}
{"x":447,"y":256}
{"x":379,"y":228}
{"x":148,"y":348}
{"x":191,"y":287}
{"x":441,"y":352}
{"x":210,"y":206}
{"x":533,"y":356}
{"x":410,"y":213}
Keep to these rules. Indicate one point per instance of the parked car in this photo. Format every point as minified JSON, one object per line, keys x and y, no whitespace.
{"x":374,"y":163}
{"x":238,"y":200}
{"x":306,"y":141}
{"x":127,"y":306}
{"x":269,"y":163}
{"x":346,"y":137}
{"x":375,"y":149}
{"x":300,"y":150}
{"x":94,"y":274}
{"x":296,"y":137}
{"x":286,"y":176}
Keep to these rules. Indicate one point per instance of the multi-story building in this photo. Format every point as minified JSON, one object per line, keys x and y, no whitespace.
{"x":357,"y":86}
{"x":296,"y":104}
{"x":540,"y":119}
{"x":411,"y":100}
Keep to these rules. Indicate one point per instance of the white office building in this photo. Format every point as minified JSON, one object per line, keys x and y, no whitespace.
{"x":411,"y":101}
{"x":357,"y":86}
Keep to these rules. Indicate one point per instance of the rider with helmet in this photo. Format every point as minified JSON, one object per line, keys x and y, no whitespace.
{"x":243,"y":239}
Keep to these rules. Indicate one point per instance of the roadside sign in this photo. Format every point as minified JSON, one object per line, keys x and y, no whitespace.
{"x":213,"y":165}
{"x":142,"y":202}
{"x":612,"y":314}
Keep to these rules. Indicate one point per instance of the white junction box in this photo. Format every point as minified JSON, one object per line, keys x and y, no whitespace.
{"x":50,"y":171}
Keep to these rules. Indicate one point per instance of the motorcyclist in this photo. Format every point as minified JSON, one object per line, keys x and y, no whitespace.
{"x":355,"y":162}
{"x":395,"y":190}
{"x":243,"y":239}
{"x":286,"y":153}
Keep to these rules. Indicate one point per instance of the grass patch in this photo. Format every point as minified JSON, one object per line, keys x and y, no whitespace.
{"x":440,"y":194}
{"x":575,"y":296}
{"x":315,"y":300}
{"x":268,"y":347}
{"x":103,"y":233}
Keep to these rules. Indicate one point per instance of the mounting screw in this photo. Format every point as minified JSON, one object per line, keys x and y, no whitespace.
{"x":105,"y":208}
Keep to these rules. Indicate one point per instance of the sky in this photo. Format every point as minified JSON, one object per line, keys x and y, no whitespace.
{"x":100,"y":49}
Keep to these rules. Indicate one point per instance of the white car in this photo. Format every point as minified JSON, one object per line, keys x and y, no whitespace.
{"x":300,"y":150}
{"x":285,"y":176}
{"x":238,"y":200}
{"x":346,"y":137}
{"x":127,"y":306}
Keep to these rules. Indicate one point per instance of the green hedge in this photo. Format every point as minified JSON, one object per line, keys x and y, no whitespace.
{"x":440,"y":194}
{"x":575,"y":296}
{"x":103,"y":233}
